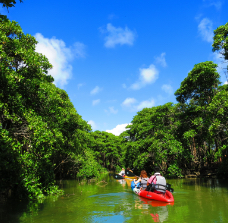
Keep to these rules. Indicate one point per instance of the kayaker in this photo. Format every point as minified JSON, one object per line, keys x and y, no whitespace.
{"x":129,"y":173}
{"x":142,"y":180}
{"x":128,"y":169}
{"x":157,"y":183}
{"x":122,"y":172}
{"x":153,"y":179}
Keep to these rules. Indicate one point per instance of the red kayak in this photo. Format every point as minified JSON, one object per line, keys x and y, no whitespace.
{"x":167,"y":197}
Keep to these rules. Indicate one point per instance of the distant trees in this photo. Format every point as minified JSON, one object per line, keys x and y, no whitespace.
{"x":154,"y":142}
{"x":108,"y":149}
{"x":190,"y":135}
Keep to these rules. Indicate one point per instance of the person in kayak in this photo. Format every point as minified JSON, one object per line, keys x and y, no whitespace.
{"x":157,"y":183}
{"x":122,"y":172}
{"x":152,"y":179}
{"x":141,"y":183}
{"x":129,"y":173}
{"x":128,"y":169}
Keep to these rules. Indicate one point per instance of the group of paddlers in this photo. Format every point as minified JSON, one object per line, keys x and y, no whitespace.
{"x":156,"y":183}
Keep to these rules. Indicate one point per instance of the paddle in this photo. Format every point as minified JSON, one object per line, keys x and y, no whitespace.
{"x":118,"y":177}
{"x":168,"y":187}
{"x":127,"y":174}
{"x":130,"y":174}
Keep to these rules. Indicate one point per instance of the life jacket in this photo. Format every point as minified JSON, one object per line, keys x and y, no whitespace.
{"x":144,"y":182}
{"x":160,"y":184}
{"x":152,"y":180}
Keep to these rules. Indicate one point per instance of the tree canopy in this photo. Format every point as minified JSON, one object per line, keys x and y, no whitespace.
{"x":9,"y":3}
{"x":220,"y":42}
{"x":200,"y":84}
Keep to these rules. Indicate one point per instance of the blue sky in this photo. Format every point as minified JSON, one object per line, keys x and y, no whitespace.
{"x":114,"y":58}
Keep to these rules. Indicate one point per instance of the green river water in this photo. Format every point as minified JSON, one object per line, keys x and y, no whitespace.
{"x":109,"y":200}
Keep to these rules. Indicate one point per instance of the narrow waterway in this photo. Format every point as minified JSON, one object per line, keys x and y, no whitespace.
{"x":109,"y":200}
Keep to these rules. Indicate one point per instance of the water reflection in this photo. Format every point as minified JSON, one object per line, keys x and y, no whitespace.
{"x":122,"y":182}
{"x":161,"y":212}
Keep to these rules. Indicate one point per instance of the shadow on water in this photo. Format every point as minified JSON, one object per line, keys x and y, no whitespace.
{"x":12,"y":211}
{"x":212,"y":183}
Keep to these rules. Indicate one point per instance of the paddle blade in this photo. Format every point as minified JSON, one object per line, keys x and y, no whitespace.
{"x":130,"y":174}
{"x":168,"y":186}
{"x":118,"y":177}
{"x":171,"y":190}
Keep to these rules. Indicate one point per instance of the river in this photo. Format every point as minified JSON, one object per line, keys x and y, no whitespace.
{"x":109,"y":200}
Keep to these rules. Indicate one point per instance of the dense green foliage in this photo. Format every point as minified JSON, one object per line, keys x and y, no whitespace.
{"x":188,"y":136}
{"x":108,"y":149}
{"x":153,"y":140}
{"x":42,"y":135}
{"x":221,"y":40}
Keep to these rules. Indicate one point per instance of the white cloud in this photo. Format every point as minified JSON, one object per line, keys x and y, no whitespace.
{"x":59,"y":56}
{"x":205,"y":29}
{"x":112,"y":110}
{"x":95,"y":90}
{"x":124,"y":86}
{"x":222,"y":66}
{"x":79,"y":50}
{"x":217,"y":4}
{"x":80,"y":85}
{"x":161,"y":60}
{"x":118,"y":129}
{"x":96,"y":102}
{"x":145,"y":104}
{"x":147,"y":76}
{"x":112,"y":16}
{"x":167,"y":88}
{"x":117,"y":36}
{"x":93,"y":124}
{"x":128,"y":102}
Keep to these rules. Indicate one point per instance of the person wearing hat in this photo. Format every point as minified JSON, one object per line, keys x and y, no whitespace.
{"x":153,"y":178}
{"x":158,"y":179}
{"x":122,"y":172}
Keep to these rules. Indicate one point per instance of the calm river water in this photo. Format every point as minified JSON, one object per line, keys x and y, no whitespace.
{"x":109,"y":200}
